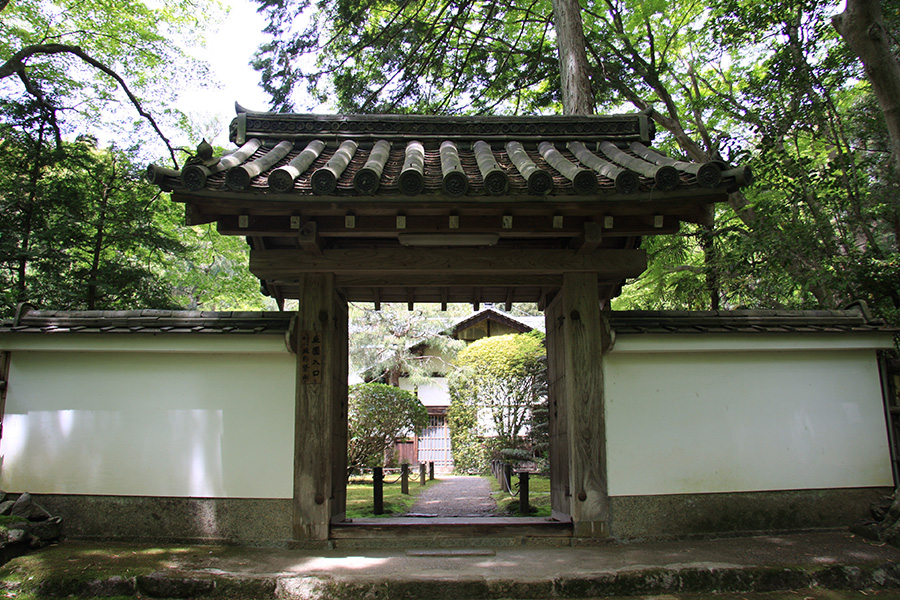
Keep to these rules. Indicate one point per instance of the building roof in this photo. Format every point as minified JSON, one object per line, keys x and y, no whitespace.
{"x":854,"y":319}
{"x":522,"y":324}
{"x":147,"y":322}
{"x":407,"y":208}
{"x":594,"y":157}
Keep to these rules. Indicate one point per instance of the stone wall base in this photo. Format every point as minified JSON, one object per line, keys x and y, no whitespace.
{"x":684,"y":515}
{"x":267,"y":522}
{"x":244,"y":521}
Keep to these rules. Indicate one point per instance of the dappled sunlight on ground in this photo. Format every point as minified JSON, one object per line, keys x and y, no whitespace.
{"x":323,"y":564}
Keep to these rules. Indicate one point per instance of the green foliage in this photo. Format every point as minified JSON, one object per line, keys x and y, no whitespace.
{"x":393,"y":56}
{"x":382,"y":341}
{"x":378,"y":414}
{"x":737,"y":81}
{"x":498,"y":383}
{"x":214,"y":275}
{"x":79,"y":63}
{"x":81,"y":229}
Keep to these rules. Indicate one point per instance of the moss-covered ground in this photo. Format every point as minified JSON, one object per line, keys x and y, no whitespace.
{"x":66,"y":569}
{"x":538,"y":498}
{"x":805,"y":594}
{"x":70,"y":564}
{"x":361,"y":502}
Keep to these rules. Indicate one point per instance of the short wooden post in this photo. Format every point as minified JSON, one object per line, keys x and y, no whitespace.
{"x":378,"y":489}
{"x":404,"y":478}
{"x":431,"y":471}
{"x":506,"y":481}
{"x":421,"y":473}
{"x":523,"y":492}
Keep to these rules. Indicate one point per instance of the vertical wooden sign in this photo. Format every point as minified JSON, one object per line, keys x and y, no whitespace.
{"x":310,"y":357}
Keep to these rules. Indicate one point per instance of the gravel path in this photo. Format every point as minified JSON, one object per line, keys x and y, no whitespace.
{"x":456,"y":496}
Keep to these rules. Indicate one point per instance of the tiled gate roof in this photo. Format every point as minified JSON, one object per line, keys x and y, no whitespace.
{"x":403,"y":156}
{"x":502,"y":205}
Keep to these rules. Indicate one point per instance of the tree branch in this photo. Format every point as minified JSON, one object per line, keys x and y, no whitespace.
{"x":16,"y":64}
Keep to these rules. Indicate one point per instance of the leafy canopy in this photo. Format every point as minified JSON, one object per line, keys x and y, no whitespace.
{"x":378,"y":414}
{"x":99,"y":62}
{"x":382,"y":341}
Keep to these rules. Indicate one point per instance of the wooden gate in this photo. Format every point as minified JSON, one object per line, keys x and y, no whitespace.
{"x":408,"y":208}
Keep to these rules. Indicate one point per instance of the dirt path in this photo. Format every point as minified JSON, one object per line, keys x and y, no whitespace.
{"x":456,"y":496}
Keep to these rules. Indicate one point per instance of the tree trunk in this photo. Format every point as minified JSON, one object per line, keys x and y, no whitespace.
{"x":573,"y":64}
{"x":710,"y":260}
{"x":24,"y":248}
{"x":28,"y":222}
{"x":97,"y":251}
{"x":862,"y":27}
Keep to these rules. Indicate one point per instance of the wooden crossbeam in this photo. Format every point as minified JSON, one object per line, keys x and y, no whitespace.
{"x":369,"y":226}
{"x":451,"y":265}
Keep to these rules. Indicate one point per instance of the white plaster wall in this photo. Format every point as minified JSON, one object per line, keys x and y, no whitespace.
{"x":213,"y":419}
{"x":685,"y":418}
{"x":433,"y":393}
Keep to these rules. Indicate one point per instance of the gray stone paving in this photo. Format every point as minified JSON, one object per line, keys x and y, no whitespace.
{"x":456,"y":496}
{"x":800,"y":562}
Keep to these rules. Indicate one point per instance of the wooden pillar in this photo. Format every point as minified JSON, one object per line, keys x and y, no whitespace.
{"x":320,"y":442}
{"x":576,"y":338}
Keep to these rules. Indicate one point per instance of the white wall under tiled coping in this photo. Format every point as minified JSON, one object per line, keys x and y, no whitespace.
{"x":213,"y":415}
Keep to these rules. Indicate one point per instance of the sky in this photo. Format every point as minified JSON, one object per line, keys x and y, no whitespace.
{"x":228,"y":51}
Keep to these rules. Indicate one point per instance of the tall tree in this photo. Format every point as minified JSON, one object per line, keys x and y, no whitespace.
{"x":769,"y":85}
{"x":573,"y":64}
{"x":382,"y":342}
{"x":863,"y":27}
{"x":81,"y":228}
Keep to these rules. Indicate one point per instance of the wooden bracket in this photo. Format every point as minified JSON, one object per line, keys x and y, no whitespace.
{"x":193,"y":216}
{"x":589,"y":239}
{"x":546,"y":298}
{"x":309,"y":240}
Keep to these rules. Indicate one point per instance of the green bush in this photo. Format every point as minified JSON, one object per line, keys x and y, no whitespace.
{"x":501,"y":380}
{"x":378,"y":414}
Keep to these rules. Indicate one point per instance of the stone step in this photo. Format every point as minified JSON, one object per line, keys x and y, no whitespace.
{"x":802,"y":564}
{"x":450,"y":532}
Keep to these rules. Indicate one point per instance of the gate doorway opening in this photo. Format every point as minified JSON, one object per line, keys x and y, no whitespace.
{"x":499,"y":406}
